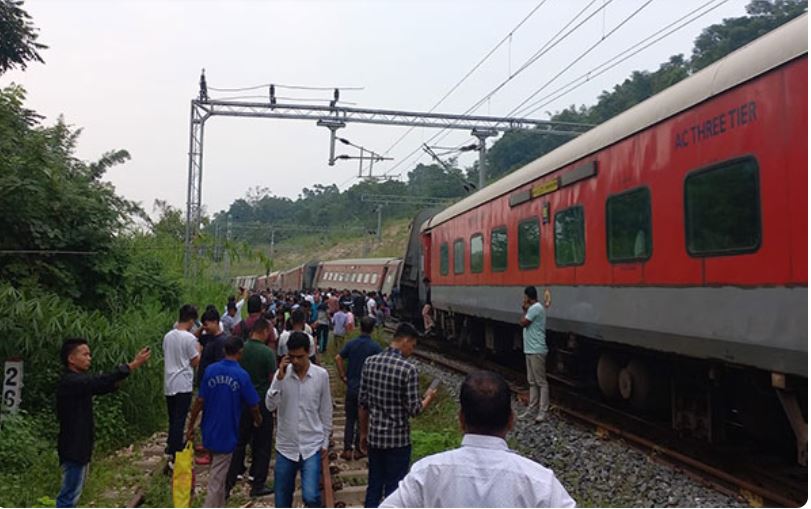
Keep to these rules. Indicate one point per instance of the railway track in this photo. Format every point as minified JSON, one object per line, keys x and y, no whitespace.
{"x":728,"y":472}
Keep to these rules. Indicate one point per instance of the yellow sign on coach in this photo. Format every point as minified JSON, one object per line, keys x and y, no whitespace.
{"x":545,"y":188}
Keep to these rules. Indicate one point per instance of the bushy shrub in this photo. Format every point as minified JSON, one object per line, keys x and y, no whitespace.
{"x":19,"y":446}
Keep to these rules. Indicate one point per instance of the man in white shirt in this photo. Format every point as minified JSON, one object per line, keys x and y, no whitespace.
{"x":371,"y":305}
{"x":484,"y":472}
{"x":233,"y":315}
{"x":181,"y":354}
{"x":301,"y":394}
{"x":299,"y":324}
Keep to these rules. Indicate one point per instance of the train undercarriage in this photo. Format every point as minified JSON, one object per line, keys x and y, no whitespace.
{"x":712,"y":401}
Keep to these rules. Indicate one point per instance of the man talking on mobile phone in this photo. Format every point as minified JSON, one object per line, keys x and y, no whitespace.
{"x":301,"y":394}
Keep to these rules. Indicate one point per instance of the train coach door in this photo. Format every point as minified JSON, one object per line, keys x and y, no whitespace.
{"x":425,"y":265}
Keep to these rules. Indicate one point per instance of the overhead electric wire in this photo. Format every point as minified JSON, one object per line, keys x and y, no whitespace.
{"x":294,"y":99}
{"x":605,"y":67}
{"x":551,"y":43}
{"x":290,"y":87}
{"x":471,"y":71}
{"x":46,"y":252}
{"x":581,"y":56}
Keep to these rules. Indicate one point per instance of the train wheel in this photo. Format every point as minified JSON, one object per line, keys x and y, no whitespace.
{"x":636,"y":384}
{"x":608,"y":370}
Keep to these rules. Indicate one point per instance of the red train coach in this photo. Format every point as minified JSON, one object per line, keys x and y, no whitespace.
{"x":669,"y":243}
{"x":298,"y":278}
{"x":369,"y":274}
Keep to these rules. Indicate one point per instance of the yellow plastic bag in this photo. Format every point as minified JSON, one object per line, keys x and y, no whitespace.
{"x":183,"y":476}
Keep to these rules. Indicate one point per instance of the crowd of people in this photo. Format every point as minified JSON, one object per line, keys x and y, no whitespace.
{"x":259,"y":378}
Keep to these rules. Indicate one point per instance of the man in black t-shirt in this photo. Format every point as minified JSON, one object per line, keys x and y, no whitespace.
{"x":214,"y":349}
{"x":74,"y":409}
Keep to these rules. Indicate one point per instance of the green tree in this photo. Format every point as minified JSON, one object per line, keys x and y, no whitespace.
{"x":18,"y":37}
{"x":170,"y":221}
{"x":63,"y":226}
{"x":517,"y":148}
{"x":717,"y":41}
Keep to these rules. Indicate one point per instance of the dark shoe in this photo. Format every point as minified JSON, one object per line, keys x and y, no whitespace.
{"x":262,"y":491}
{"x":358,"y":455}
{"x":347,"y":455}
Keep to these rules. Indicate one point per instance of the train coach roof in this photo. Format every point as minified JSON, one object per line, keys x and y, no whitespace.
{"x":769,"y":51}
{"x":360,"y":261}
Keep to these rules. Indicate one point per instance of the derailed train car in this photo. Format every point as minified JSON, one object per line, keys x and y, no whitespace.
{"x":363,"y":274}
{"x":669,"y":245}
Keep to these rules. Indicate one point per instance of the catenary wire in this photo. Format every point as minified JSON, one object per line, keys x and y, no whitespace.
{"x":471,"y":71}
{"x":605,"y":67}
{"x":289,"y":87}
{"x":551,"y":43}
{"x":282,"y":98}
{"x":581,"y":56}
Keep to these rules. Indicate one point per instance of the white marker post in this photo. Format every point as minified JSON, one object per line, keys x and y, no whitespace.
{"x":12,"y":386}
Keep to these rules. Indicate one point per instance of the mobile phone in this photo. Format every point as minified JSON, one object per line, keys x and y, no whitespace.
{"x":434,"y":385}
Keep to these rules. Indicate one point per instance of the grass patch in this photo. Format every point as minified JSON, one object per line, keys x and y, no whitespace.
{"x":437,"y":428}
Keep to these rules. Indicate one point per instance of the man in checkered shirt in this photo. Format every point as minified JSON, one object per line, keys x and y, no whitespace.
{"x":388,"y":397}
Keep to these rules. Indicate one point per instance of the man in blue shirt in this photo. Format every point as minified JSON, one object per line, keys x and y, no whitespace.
{"x":340,"y":321}
{"x":224,"y":389}
{"x":356,"y":351}
{"x":535,"y":350}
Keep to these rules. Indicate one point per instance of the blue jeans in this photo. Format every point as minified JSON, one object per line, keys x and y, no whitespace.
{"x":387,"y":467}
{"x":73,"y":478}
{"x":322,"y":332}
{"x":285,"y":480}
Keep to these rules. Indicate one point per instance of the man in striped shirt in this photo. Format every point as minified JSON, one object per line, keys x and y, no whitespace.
{"x":384,"y":412}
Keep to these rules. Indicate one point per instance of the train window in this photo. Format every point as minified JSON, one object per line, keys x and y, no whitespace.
{"x":722,"y":209}
{"x":366,"y":278}
{"x":498,"y":249}
{"x":458,"y":256}
{"x":628,"y":226}
{"x":443,"y":259}
{"x":529,"y":243}
{"x":374,"y":279}
{"x":570,"y":238}
{"x":477,"y":253}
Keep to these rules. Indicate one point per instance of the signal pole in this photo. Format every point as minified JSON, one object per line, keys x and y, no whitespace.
{"x":227,"y":255}
{"x":379,"y":222}
{"x":482,"y":135}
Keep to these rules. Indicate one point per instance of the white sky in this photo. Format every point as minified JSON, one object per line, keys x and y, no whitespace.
{"x":125,"y":72}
